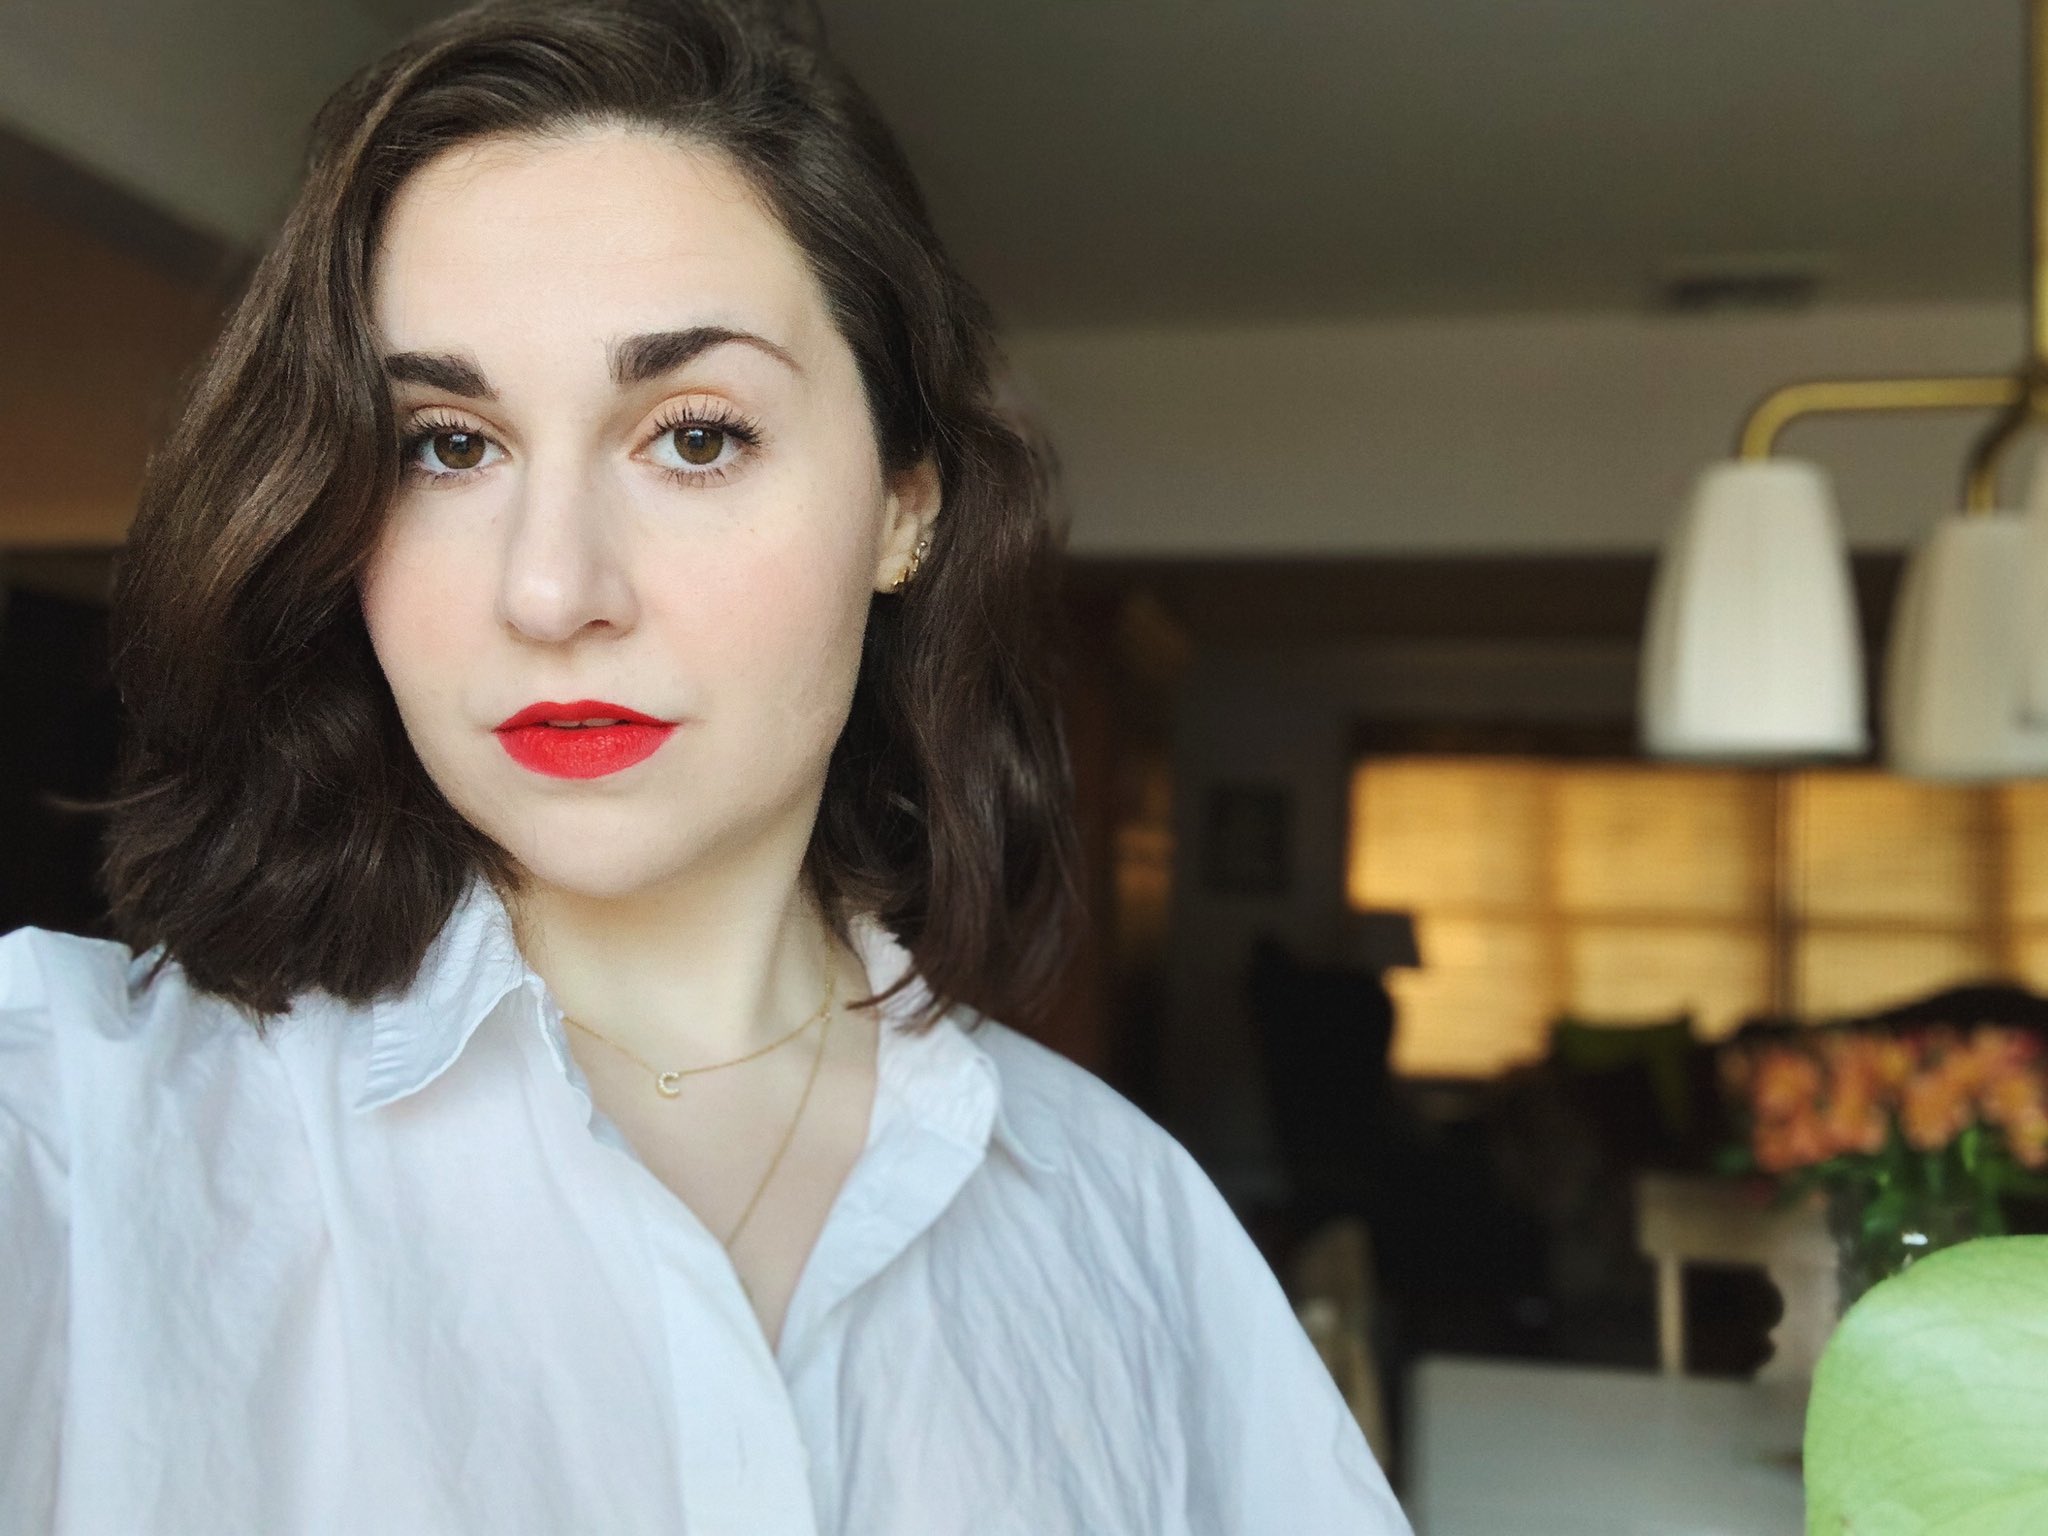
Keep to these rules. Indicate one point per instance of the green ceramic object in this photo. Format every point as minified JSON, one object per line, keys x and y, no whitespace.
{"x":1930,"y":1406}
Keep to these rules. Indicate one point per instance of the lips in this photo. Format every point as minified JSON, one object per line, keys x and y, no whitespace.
{"x":586,"y":739}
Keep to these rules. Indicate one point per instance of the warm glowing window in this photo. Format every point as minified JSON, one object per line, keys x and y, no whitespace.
{"x":1626,"y":892}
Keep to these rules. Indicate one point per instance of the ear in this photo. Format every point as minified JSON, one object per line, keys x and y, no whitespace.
{"x":907,"y":516}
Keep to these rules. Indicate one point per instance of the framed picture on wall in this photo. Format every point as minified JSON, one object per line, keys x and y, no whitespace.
{"x":1245,"y":839}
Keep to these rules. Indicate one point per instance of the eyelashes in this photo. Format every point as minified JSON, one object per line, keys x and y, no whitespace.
{"x":426,"y":431}
{"x":706,"y":444}
{"x":717,"y":438}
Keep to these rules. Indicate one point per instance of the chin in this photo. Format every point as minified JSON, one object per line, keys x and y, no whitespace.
{"x":617,"y":851}
{"x":613,"y":846}
{"x":597,"y":869}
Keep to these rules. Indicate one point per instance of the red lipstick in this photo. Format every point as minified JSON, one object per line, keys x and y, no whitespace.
{"x":560,"y":741}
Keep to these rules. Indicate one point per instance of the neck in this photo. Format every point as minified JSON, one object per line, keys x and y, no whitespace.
{"x":685,"y":974}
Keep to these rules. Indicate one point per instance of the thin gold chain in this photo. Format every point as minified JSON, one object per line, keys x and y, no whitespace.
{"x":787,"y":1137}
{"x":669,"y":1083}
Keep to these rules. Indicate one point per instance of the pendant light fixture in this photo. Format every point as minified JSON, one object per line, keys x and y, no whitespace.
{"x":1752,"y":651}
{"x":1954,"y":678}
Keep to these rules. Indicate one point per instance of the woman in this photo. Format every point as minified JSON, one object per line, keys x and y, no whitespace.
{"x":593,"y":790}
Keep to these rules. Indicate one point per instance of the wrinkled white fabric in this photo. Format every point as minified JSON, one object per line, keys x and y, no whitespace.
{"x":390,"y":1271}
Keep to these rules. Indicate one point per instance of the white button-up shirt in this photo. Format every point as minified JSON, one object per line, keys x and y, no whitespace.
{"x":389,"y":1270}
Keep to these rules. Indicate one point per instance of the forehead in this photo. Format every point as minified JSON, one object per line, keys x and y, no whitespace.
{"x":602,"y":232}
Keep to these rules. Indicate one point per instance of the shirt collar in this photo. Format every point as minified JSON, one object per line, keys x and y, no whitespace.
{"x":944,"y":1077}
{"x":471,"y":967}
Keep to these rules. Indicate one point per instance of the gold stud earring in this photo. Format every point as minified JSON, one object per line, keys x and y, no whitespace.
{"x":917,"y":555}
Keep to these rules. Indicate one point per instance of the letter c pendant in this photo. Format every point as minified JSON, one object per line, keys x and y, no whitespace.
{"x":670,"y":1084}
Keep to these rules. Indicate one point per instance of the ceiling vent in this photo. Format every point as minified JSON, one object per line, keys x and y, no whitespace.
{"x":1740,"y":283}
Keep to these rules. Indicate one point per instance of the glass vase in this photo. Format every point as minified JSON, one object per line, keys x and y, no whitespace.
{"x":1882,"y":1229}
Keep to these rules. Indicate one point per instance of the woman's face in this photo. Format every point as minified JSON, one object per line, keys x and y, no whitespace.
{"x":640,"y":482}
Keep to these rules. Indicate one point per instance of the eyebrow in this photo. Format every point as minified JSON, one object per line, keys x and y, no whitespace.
{"x":648,"y":356}
{"x":633,"y":360}
{"x":439,"y":370}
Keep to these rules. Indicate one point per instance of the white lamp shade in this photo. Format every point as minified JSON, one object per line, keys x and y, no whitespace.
{"x":1752,"y":650}
{"x":2033,"y":636}
{"x":1952,"y":683}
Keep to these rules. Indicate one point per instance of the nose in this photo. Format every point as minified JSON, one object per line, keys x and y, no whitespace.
{"x":563,"y":571}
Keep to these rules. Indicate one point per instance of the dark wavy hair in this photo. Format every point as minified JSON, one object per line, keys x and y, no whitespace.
{"x":272,"y":829}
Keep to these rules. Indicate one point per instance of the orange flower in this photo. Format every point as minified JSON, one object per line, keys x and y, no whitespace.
{"x":1984,"y":1055}
{"x":1938,"y":1105}
{"x":2029,"y":1142}
{"x":1893,"y":1061}
{"x":2006,"y":1055}
{"x":1838,"y":1092}
{"x":1807,"y":1140}
{"x":1787,"y":1082}
{"x":1854,"y":1120}
{"x":1783,"y":1145}
{"x":2016,"y":1101}
{"x":2011,"y":1099}
{"x":1774,"y":1149}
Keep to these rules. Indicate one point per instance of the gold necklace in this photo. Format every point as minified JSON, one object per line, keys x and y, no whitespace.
{"x":787,"y":1137}
{"x":670,"y":1083}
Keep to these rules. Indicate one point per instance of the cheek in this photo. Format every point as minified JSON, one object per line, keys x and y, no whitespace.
{"x":783,"y":616}
{"x":785,"y":629}
{"x":411,"y":611}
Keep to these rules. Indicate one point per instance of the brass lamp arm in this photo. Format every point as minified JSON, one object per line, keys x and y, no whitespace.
{"x":1980,"y":479}
{"x":2020,"y":398}
{"x":2017,"y":397}
{"x":1819,"y":397}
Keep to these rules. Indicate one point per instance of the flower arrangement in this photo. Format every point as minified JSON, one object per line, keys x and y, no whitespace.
{"x":1914,"y":1136}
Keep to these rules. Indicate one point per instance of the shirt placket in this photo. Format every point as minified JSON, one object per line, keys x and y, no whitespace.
{"x":934,"y":1112}
{"x":740,"y":1453}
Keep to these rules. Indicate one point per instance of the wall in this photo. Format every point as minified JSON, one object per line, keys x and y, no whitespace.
{"x":1284,"y":716}
{"x":1529,"y":433}
{"x":95,"y":341}
{"x":197,"y":106}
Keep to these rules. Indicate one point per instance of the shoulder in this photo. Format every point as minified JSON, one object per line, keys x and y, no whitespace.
{"x":51,"y":985}
{"x":48,"y":981}
{"x":63,"y":992}
{"x":79,"y":1014}
{"x":1189,"y":1298}
{"x":45,"y":974}
{"x":1061,"y":1113}
{"x":1110,"y":1155}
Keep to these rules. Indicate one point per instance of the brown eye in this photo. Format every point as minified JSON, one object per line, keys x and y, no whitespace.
{"x":700,"y":445}
{"x":458,"y":450}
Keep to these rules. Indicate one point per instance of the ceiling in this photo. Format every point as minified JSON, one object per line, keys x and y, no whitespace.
{"x":1220,"y":160}
{"x":1278,"y":157}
